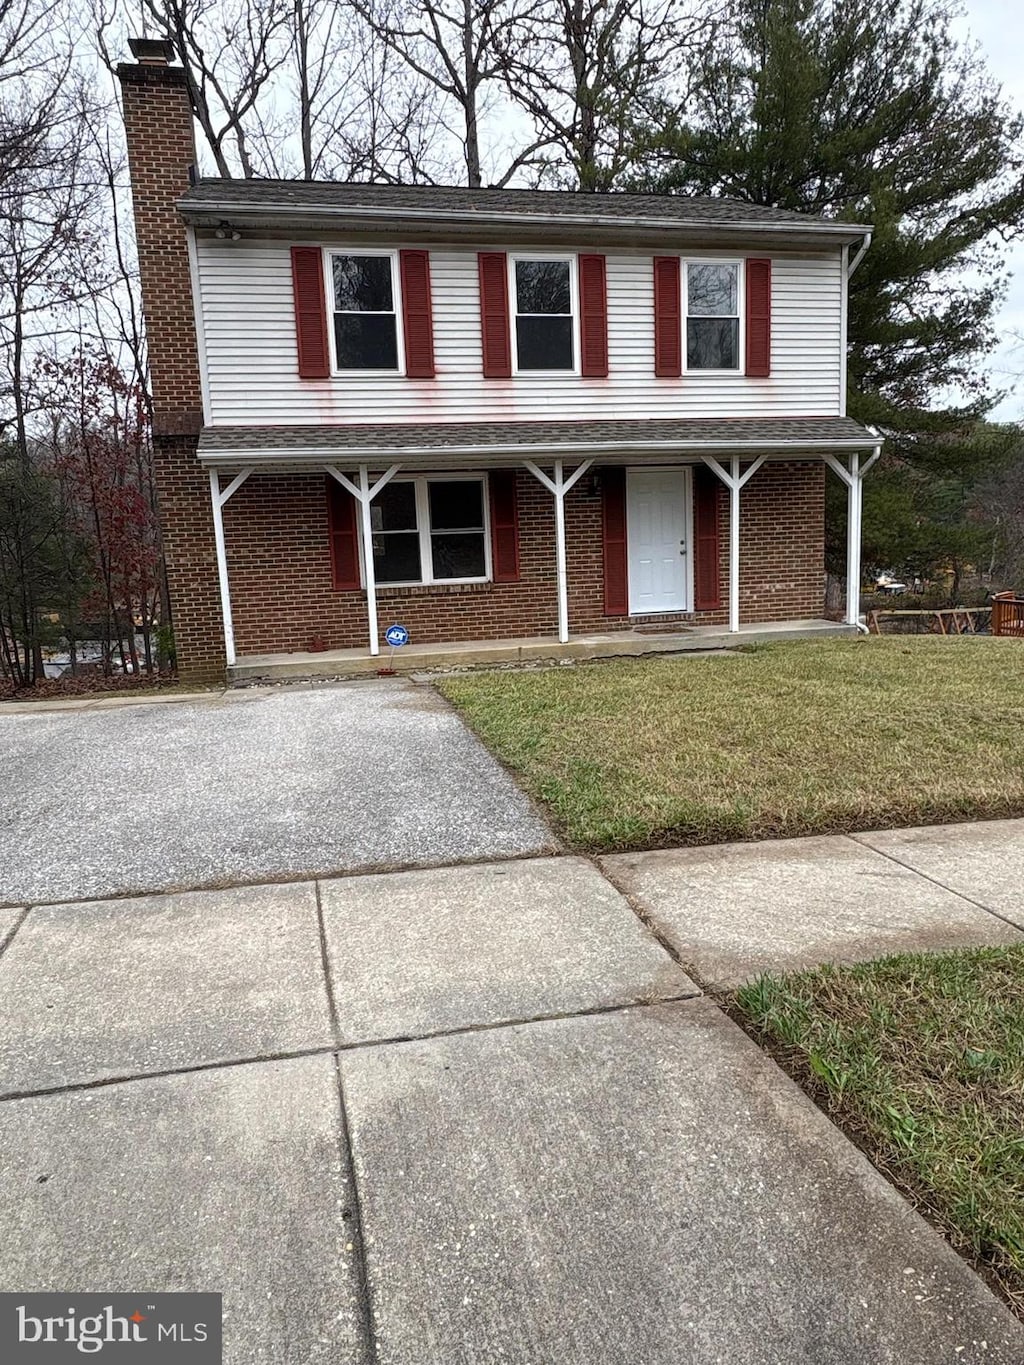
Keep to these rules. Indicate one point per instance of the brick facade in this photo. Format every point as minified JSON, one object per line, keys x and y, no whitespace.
{"x":279,"y":566}
{"x":276,"y":524}
{"x":161,"y":148}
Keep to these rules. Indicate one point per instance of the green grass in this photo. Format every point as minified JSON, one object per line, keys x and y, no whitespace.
{"x":787,"y":739}
{"x":920,"y":1057}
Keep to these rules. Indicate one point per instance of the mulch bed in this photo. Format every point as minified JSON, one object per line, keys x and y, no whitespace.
{"x":87,"y":685}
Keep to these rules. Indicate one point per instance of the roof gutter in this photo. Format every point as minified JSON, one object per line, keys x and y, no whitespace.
{"x":192,"y":210}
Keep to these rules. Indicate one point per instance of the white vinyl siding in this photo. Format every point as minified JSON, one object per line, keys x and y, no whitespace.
{"x":249,"y":327}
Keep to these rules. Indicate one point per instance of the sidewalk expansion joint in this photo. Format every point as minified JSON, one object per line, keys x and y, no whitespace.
{"x":647,"y":920}
{"x":345,"y":1152}
{"x":357,"y":1237}
{"x":6,"y":942}
{"x":289,"y":878}
{"x":978,"y":905}
{"x":340,"y":1049}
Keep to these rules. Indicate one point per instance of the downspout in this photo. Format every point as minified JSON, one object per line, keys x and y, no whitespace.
{"x":874,"y":456}
{"x":860,"y":254}
{"x":858,"y":491}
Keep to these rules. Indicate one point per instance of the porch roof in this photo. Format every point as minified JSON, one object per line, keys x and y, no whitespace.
{"x":487,"y":443}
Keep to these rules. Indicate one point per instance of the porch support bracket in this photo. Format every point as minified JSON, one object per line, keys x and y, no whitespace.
{"x":853,"y":477}
{"x":558,"y":486}
{"x":218,"y":497}
{"x":364,"y":493}
{"x":735,"y":482}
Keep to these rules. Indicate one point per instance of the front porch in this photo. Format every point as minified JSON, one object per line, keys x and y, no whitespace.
{"x":415,"y":658}
{"x":491,"y":549}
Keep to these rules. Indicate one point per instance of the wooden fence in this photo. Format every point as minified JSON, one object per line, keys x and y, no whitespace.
{"x":1007,"y":614}
{"x":922,"y":621}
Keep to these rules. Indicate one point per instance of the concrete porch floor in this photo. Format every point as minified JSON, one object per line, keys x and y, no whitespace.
{"x":414,"y":658}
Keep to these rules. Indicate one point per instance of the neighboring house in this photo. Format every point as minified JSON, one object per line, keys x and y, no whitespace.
{"x":484,"y":413}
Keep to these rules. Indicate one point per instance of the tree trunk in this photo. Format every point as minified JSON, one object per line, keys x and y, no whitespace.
{"x":470,"y":84}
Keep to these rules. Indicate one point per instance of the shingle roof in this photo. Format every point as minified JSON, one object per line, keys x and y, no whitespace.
{"x":298,"y":197}
{"x":536,"y":439}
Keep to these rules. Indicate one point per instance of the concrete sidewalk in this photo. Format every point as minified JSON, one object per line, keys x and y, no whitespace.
{"x":732,"y":911}
{"x":463,"y":1116}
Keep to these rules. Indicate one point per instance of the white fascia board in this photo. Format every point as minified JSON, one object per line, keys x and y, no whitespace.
{"x":366,"y":455}
{"x":289,"y":212}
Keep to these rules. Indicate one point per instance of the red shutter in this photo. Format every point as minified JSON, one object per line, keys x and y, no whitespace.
{"x":706,"y":560}
{"x":616,"y":571}
{"x":759,"y":318}
{"x":668,"y":323}
{"x":593,"y":317}
{"x":343,"y":531}
{"x":494,"y":329}
{"x":310,"y":312}
{"x":417,"y":318}
{"x":504,"y":526}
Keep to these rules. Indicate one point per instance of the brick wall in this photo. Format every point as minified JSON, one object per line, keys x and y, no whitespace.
{"x":161,"y":147}
{"x":280,"y":569}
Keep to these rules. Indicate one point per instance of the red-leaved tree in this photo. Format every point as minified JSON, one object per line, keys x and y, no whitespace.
{"x":101,"y":450}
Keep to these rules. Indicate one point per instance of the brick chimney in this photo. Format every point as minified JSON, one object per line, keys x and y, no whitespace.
{"x":161,"y":151}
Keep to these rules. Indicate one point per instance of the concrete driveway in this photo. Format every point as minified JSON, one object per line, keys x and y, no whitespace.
{"x":244,"y":786}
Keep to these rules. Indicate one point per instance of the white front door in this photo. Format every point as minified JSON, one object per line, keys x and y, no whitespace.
{"x":658,"y":536}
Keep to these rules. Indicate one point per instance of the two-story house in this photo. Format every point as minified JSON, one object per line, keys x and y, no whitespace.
{"x":486,"y":414}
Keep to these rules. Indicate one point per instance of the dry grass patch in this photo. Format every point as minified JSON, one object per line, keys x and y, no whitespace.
{"x":920,"y":1057}
{"x":809,"y":737}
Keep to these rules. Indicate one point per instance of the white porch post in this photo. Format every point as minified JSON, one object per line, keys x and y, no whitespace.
{"x":735,"y":482}
{"x":734,"y":544}
{"x":364,"y":494}
{"x":854,"y":480}
{"x":558,"y":487}
{"x":855,"y":503}
{"x":369,"y":572}
{"x":217,"y":500}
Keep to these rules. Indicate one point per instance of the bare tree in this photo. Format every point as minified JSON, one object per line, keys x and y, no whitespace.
{"x":455,"y":46}
{"x":49,"y":236}
{"x":590,"y":73}
{"x":50,"y":227}
{"x":231,"y":51}
{"x":287,"y":88}
{"x":345,"y":106}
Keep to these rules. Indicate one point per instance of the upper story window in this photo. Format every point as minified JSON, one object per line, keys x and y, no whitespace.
{"x":365,"y":293}
{"x":430,"y":531}
{"x":713,"y":315}
{"x":544,"y":294}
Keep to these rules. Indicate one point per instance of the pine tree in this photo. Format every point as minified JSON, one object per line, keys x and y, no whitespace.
{"x":871,"y":111}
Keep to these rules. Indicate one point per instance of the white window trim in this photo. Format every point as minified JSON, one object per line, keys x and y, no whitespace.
{"x":421,"y":481}
{"x":572,"y":260}
{"x":741,"y":306}
{"x":396,"y":296}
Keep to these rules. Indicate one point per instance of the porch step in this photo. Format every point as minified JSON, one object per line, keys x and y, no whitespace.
{"x":417,"y":658}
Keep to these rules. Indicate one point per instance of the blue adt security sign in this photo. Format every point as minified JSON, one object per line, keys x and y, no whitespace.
{"x":396,"y":635}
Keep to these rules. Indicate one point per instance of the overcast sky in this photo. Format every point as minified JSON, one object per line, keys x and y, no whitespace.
{"x":998,"y":25}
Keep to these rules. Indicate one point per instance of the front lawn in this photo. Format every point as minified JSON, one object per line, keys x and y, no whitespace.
{"x":802,"y":738}
{"x":920,"y":1058}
